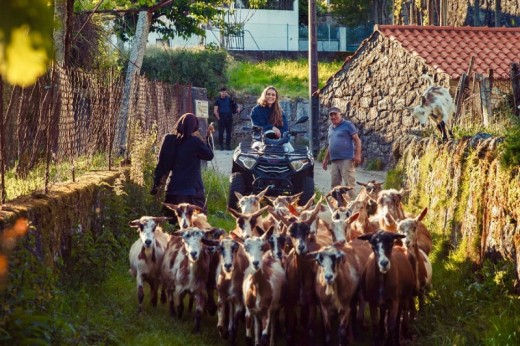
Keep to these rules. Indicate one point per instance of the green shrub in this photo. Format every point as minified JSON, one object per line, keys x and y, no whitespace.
{"x":394,"y":179}
{"x":511,"y":146}
{"x":375,"y":165}
{"x":205,"y":68}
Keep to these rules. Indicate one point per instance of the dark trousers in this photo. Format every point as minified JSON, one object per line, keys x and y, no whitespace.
{"x":225,"y":123}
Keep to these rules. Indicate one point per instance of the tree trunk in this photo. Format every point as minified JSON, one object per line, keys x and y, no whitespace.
{"x":133,"y":70}
{"x":60,"y":14}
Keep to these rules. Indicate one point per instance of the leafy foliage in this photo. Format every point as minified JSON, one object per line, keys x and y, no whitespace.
{"x":351,"y":12}
{"x":303,"y":10}
{"x":199,"y":67}
{"x":182,"y":18}
{"x":25,"y":40}
{"x":511,"y":146}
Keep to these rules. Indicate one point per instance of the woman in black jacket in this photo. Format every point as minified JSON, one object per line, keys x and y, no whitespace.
{"x":179,"y":160}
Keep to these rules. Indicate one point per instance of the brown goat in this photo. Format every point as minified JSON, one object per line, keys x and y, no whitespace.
{"x":388,"y":284}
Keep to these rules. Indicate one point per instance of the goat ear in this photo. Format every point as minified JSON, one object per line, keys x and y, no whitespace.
{"x":161,"y":219}
{"x":170,"y":206}
{"x":134,"y":223}
{"x":236,"y":237}
{"x":423,"y":101}
{"x":239,"y":195}
{"x":197,"y":209}
{"x":353,"y":218}
{"x":366,"y":236}
{"x":421,"y":215}
{"x":178,"y":233}
{"x":215,"y":233}
{"x":360,"y":183}
{"x":398,"y":236}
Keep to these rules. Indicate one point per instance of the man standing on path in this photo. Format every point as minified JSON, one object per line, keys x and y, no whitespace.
{"x":344,"y":151}
{"x":223,"y":110}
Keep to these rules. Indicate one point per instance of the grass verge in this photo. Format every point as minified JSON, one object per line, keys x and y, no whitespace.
{"x":290,"y":77}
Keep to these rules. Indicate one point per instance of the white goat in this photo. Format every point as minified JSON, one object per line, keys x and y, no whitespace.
{"x":146,"y":255}
{"x":437,"y":105}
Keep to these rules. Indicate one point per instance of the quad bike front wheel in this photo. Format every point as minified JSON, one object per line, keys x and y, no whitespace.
{"x":236,"y":184}
{"x":307,"y":187}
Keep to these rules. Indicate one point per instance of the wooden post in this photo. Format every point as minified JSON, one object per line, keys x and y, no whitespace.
{"x":485,"y":97}
{"x":515,"y":86}
{"x":461,"y":88}
{"x":443,"y":13}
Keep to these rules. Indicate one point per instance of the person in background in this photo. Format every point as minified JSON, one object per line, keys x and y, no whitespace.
{"x":268,"y":114}
{"x":223,"y":110}
{"x":344,"y":151}
{"x":179,"y":164}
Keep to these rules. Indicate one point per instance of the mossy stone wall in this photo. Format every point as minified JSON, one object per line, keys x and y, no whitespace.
{"x":471,"y":198}
{"x":67,"y":208}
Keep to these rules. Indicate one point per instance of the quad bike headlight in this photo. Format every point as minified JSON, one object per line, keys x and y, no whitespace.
{"x":298,"y":164}
{"x":247,"y":161}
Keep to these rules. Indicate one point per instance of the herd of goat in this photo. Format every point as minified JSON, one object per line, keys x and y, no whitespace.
{"x":329,"y":258}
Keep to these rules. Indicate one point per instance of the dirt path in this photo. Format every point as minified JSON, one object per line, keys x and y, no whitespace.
{"x":223,"y":161}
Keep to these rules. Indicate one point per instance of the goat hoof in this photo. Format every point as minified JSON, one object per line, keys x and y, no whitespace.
{"x":249,"y":341}
{"x":264,"y":340}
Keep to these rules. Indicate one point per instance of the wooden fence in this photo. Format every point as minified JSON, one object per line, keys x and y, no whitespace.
{"x":480,"y":99}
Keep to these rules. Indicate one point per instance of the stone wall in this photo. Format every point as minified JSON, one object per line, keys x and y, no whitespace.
{"x":373,"y":89}
{"x":67,"y":208}
{"x":293,"y":108}
{"x":460,"y":12}
{"x":472,"y":200}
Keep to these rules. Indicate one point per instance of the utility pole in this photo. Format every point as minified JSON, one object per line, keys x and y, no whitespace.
{"x":313,"y":79}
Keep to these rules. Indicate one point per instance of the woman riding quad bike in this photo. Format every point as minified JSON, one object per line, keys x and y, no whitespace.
{"x":273,"y":163}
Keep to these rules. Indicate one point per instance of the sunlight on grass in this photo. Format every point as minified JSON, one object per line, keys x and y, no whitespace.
{"x":17,"y":185}
{"x":290,"y":77}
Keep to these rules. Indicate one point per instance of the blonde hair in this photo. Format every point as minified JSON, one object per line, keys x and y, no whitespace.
{"x":275,"y":117}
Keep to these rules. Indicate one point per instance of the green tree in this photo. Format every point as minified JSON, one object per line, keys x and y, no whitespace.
{"x":351,"y":12}
{"x":180,"y":18}
{"x":303,"y":10}
{"x":25,"y":40}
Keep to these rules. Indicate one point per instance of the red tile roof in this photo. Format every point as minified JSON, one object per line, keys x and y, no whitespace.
{"x":449,"y":49}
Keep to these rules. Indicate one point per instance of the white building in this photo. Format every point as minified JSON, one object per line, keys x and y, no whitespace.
{"x":274,"y":29}
{"x":266,"y":29}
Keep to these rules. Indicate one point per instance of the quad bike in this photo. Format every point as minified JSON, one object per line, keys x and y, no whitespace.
{"x":273,"y":163}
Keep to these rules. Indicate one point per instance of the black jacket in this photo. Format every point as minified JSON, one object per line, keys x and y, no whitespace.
{"x":179,"y":159}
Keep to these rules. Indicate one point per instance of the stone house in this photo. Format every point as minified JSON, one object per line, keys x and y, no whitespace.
{"x":382,"y":78}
